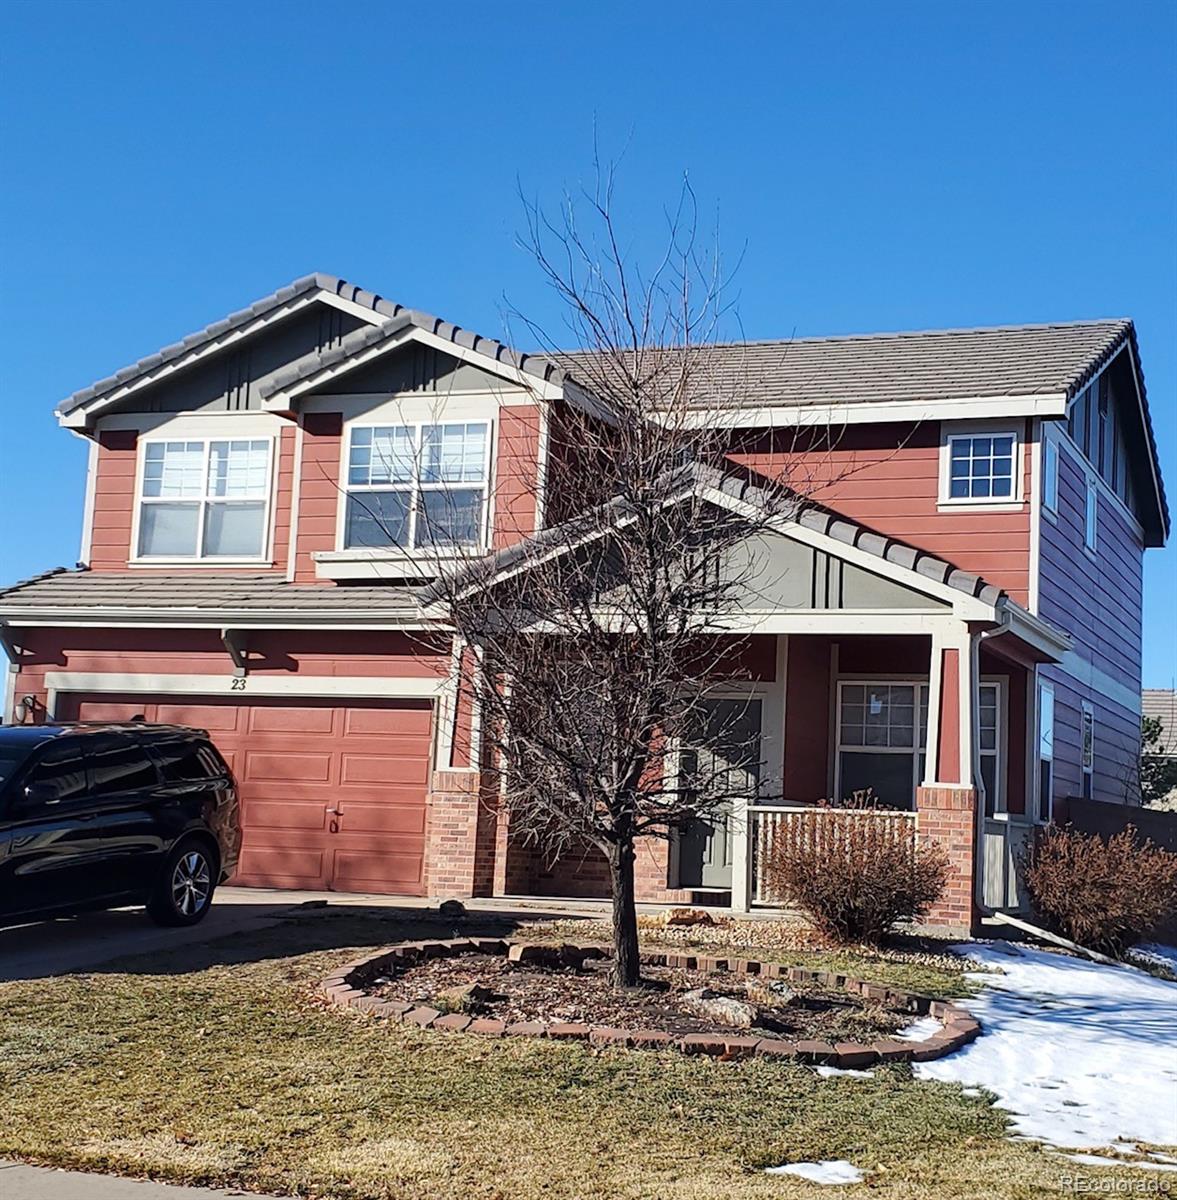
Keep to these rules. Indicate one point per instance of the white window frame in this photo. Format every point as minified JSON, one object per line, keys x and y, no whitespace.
{"x":199,"y":559}
{"x":922,"y":693}
{"x":415,"y":488}
{"x":948,"y":440}
{"x":1091,"y":517}
{"x":1050,"y":473}
{"x":1087,"y":748}
{"x":1045,"y":690}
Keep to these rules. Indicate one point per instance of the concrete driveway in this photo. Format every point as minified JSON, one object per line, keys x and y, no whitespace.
{"x":84,"y":943}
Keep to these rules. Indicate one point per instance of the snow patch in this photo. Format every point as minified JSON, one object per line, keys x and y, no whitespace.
{"x":832,"y":1170}
{"x":829,"y":1072}
{"x":920,"y":1030}
{"x":1098,"y":1160}
{"x":1080,"y":1054}
{"x":1156,"y":955}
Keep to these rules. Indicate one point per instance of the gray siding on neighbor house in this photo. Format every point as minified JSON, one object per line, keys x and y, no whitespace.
{"x":230,"y":380}
{"x":1098,"y":600}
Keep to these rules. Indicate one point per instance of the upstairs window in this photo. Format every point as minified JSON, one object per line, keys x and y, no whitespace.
{"x":204,"y":499}
{"x":1091,"y":516}
{"x":981,"y":468}
{"x":417,"y":487}
{"x":1050,"y":475}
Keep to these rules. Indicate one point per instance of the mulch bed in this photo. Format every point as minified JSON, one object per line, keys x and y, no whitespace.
{"x":524,"y":992}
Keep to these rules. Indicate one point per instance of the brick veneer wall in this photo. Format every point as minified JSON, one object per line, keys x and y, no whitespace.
{"x":459,"y":839}
{"x":947,"y":816}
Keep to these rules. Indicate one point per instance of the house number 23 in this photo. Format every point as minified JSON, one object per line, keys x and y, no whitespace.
{"x":237,"y":683}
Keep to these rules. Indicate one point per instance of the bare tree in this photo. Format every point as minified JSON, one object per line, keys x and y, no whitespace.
{"x":602,"y":643}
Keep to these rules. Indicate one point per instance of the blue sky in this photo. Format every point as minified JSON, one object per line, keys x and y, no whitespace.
{"x":887,"y":166}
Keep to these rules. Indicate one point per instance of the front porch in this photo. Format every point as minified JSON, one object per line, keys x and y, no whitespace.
{"x":938,"y":722}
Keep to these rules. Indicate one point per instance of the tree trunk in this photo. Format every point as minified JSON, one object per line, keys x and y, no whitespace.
{"x":626,"y":967}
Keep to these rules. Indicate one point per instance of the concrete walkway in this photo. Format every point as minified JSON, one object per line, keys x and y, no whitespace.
{"x":18,"y":1182}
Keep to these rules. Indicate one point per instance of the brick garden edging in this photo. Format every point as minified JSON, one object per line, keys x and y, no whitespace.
{"x":345,"y":989}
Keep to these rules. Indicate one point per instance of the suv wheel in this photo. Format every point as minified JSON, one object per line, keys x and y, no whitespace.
{"x":185,"y":888}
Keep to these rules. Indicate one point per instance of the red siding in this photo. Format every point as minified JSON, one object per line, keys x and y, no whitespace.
{"x":283,"y":496}
{"x":318,"y":497}
{"x":516,"y":475}
{"x":887,"y":477}
{"x":114,"y":500}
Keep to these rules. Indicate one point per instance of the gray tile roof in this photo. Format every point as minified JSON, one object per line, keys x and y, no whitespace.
{"x":533,"y":364}
{"x":949,"y":364}
{"x":202,"y":595}
{"x":1162,"y":703}
{"x":743,"y":486}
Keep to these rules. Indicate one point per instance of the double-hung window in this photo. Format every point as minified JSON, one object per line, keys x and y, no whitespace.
{"x":883,"y":739}
{"x":204,"y":498}
{"x":982,"y":468}
{"x":414,"y":487}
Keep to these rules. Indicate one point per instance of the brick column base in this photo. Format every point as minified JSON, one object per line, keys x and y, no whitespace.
{"x":459,"y":841}
{"x":947,"y":817}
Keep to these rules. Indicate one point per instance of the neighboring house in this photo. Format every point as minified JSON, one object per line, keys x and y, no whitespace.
{"x":1161,"y":705}
{"x":957,"y":626}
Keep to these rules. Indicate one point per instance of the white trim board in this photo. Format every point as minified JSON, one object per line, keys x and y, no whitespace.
{"x":869,"y":412}
{"x":228,"y":684}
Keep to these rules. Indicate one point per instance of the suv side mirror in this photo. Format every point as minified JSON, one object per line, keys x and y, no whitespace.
{"x":36,"y":794}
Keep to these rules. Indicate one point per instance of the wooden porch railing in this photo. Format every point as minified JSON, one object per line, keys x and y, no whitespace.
{"x":770,"y":825}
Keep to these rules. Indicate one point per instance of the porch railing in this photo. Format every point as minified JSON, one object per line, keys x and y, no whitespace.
{"x":771,"y":825}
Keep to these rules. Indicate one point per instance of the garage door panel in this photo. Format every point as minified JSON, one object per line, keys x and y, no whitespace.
{"x":367,"y":870}
{"x":388,"y":722}
{"x":278,"y":866}
{"x":266,"y":767}
{"x":216,"y":718}
{"x":280,"y":719}
{"x":404,"y":818}
{"x":280,"y":813}
{"x":382,"y":769}
{"x":98,"y":710}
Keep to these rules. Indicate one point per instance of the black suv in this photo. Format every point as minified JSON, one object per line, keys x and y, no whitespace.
{"x":98,"y":816}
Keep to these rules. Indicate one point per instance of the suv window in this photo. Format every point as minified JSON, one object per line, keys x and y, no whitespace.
{"x":183,"y":759}
{"x":118,"y":764}
{"x":60,"y":771}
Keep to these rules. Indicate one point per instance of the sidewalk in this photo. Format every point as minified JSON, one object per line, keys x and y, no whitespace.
{"x":18,"y":1182}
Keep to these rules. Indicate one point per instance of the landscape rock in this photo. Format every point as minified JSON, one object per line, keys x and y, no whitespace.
{"x":687,"y":916}
{"x":768,"y":994}
{"x":723,"y":1010}
{"x":464,"y":997}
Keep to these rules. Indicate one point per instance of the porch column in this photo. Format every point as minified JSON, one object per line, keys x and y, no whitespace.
{"x":947,"y":801}
{"x":742,"y":821}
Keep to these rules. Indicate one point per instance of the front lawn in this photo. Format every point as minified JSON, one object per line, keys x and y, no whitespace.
{"x":218,"y":1065}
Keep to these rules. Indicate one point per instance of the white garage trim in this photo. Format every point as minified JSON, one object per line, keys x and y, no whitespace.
{"x":339,"y":687}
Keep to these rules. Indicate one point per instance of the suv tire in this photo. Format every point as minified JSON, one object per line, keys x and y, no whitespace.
{"x":184,"y":893}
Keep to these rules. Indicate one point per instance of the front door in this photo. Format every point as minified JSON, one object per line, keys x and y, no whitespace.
{"x":729,"y":758}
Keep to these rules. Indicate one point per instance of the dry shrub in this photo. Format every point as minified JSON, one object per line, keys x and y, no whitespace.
{"x":854,"y":872}
{"x":1104,"y":894}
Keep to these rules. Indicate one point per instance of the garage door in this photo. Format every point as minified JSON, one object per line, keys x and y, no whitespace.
{"x":295,"y":763}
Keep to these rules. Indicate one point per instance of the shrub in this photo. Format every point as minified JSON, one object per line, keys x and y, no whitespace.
{"x":854,"y":871}
{"x":1104,"y":894}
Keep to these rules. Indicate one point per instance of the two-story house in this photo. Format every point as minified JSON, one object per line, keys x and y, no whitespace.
{"x":956,"y":624}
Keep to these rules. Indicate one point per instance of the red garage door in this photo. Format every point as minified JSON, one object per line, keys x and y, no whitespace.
{"x":296,"y":761}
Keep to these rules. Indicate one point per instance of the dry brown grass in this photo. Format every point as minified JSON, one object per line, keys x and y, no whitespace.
{"x":216,"y":1065}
